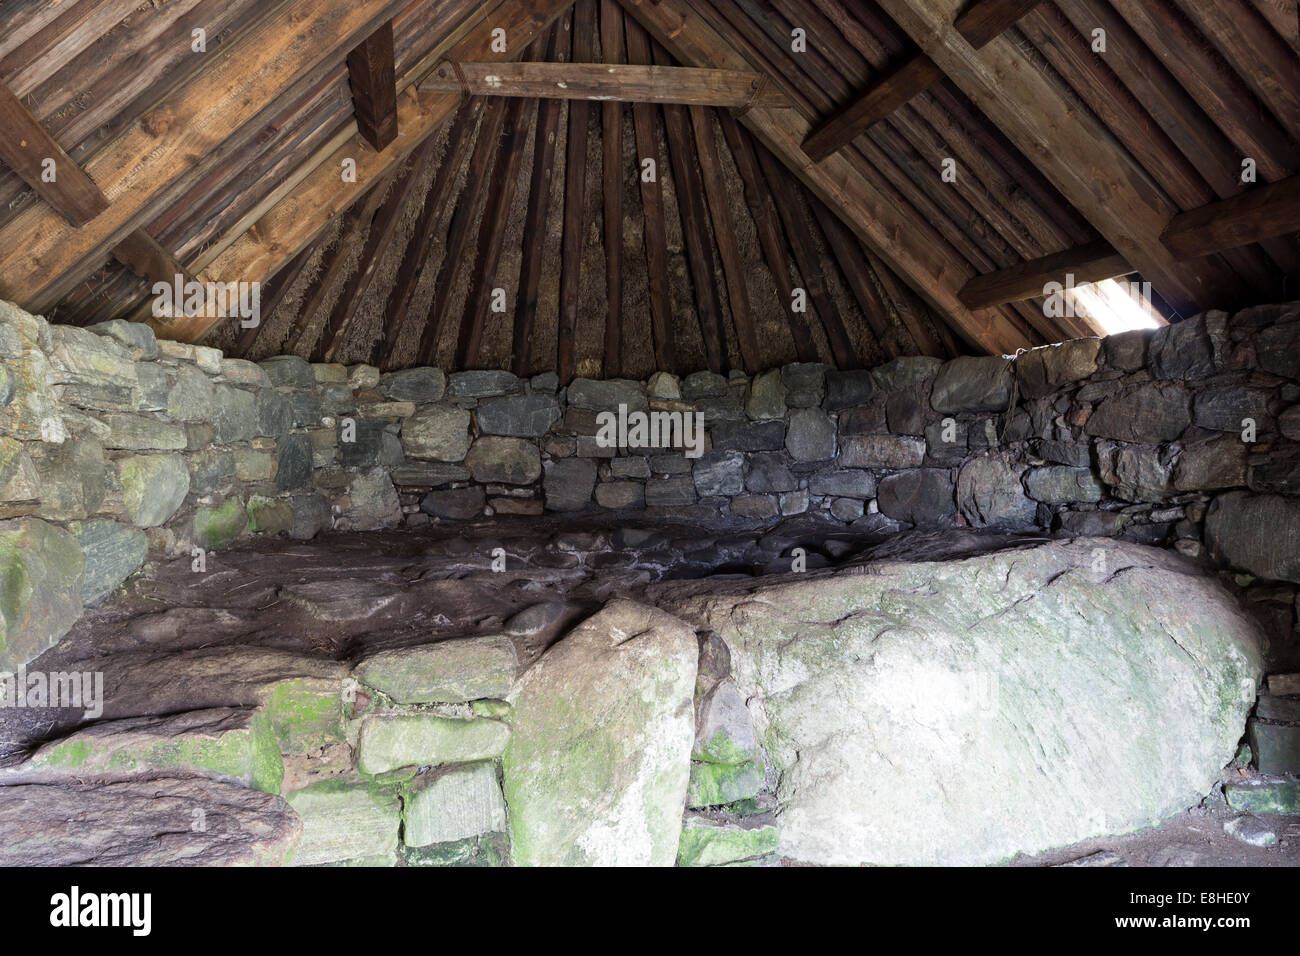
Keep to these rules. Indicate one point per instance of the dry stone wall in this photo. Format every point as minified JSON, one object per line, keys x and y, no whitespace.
{"x":113,"y":445}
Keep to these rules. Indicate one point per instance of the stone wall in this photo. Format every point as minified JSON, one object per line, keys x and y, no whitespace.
{"x":113,"y":444}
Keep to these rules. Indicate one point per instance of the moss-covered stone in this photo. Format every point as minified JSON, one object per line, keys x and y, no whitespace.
{"x":1270,"y":796}
{"x":708,"y":843}
{"x":270,"y":515}
{"x":490,"y":849}
{"x":389,"y":742}
{"x":713,"y":784}
{"x":220,"y":527}
{"x":496,"y":709}
{"x":42,"y":573}
{"x":306,"y":713}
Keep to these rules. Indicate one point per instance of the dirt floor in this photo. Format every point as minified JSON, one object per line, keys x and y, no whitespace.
{"x":343,"y":594}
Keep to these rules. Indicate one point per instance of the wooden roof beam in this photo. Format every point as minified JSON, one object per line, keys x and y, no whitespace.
{"x":1091,"y":262}
{"x":1261,"y":213}
{"x":33,"y":154}
{"x":626,"y":83}
{"x":985,"y":20}
{"x":880,"y":219}
{"x":1076,"y":152}
{"x":374,"y":87}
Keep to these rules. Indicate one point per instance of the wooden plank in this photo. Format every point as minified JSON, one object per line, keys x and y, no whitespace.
{"x":374,"y":87}
{"x":202,"y":119}
{"x":27,"y":149}
{"x":272,"y":295}
{"x":625,"y":83}
{"x":1079,"y":156}
{"x":301,"y":213}
{"x":1088,"y":263}
{"x":612,"y":175}
{"x":333,"y":263}
{"x":1261,"y":213}
{"x":854,"y":268}
{"x":575,"y":202}
{"x":433,"y":215}
{"x":724,"y":234}
{"x":45,"y":52}
{"x":876,"y":216}
{"x":539,"y":201}
{"x":655,"y":229}
{"x":1215,"y":86}
{"x":688,"y":185}
{"x":491,"y":236}
{"x":383,"y":228}
{"x":798,"y":231}
{"x":469,"y":208}
{"x":983,"y":21}
{"x":767,"y":226}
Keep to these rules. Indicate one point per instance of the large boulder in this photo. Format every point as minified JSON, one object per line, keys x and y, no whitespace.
{"x":42,"y":572}
{"x":597,"y":766}
{"x":963,"y":711}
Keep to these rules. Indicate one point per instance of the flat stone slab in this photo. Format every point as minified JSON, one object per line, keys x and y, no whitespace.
{"x":451,"y":671}
{"x":157,"y":822}
{"x":345,"y":820}
{"x":456,"y":804}
{"x":418,"y":740}
{"x":707,"y":842}
{"x":922,"y":711}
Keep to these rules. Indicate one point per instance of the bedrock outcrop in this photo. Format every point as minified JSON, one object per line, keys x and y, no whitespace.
{"x":928,"y":709}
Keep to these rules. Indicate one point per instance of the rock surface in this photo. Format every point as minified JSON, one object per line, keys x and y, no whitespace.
{"x":929,"y":712}
{"x":597,"y":765}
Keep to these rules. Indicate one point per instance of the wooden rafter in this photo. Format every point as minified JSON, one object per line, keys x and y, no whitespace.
{"x":300,"y":213}
{"x":655,"y":230}
{"x":874,"y":215}
{"x":1110,"y":188}
{"x":612,"y":51}
{"x":978,"y":25}
{"x":433,"y":215}
{"x":539,"y":200}
{"x":575,"y":201}
{"x":724,"y":234}
{"x":374,"y":87}
{"x":212,"y":116}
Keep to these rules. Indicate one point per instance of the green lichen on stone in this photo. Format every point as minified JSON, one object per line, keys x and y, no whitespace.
{"x":490,"y":849}
{"x":306,"y":713}
{"x":71,"y":753}
{"x":713,"y":784}
{"x":269,"y":515}
{"x":496,"y":709}
{"x":707,"y":843}
{"x":1273,"y":796}
{"x":220,"y":527}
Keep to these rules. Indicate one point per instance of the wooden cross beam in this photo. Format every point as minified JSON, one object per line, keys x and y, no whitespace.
{"x":374,"y":87}
{"x":1261,"y":213}
{"x":985,"y":20}
{"x":1091,"y":262}
{"x":627,"y":83}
